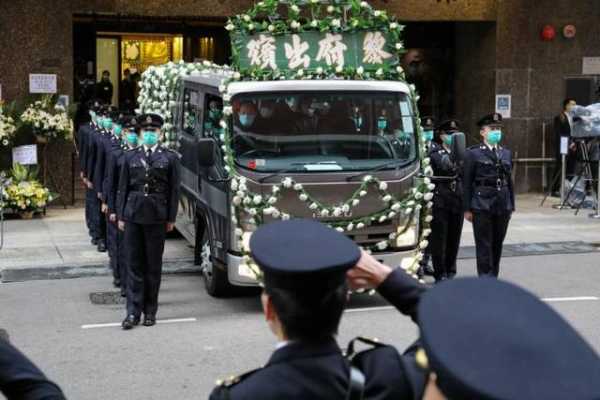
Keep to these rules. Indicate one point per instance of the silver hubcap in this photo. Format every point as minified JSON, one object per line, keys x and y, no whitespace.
{"x":206,"y":265}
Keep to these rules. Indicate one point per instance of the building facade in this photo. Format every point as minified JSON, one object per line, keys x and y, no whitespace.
{"x":462,"y":54}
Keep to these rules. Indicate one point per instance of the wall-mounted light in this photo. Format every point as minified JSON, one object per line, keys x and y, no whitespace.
{"x":548,"y":33}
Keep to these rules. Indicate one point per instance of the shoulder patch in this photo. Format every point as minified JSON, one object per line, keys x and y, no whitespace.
{"x":234,"y":380}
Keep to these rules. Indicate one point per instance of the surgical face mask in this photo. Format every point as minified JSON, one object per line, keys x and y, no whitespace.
{"x":358,"y":120}
{"x":447,"y":139}
{"x":132,"y":138}
{"x":428,"y":135}
{"x":214,"y":114}
{"x":382,"y":123}
{"x":149,"y":138}
{"x":117,"y":129}
{"x":107,"y":123}
{"x":266,"y":112}
{"x":494,"y":137}
{"x":247,"y":119}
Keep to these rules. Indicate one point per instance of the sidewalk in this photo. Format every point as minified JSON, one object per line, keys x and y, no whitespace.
{"x":58,"y":246}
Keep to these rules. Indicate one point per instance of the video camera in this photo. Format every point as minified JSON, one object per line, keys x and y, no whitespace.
{"x":586,"y":122}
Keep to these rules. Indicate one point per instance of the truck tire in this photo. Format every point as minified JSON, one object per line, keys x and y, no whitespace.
{"x":215,"y":275}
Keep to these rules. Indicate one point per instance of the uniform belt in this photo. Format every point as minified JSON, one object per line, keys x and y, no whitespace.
{"x":146,"y":189}
{"x":491,"y":182}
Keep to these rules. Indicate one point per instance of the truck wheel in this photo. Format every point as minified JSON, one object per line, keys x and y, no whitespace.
{"x":215,"y":276}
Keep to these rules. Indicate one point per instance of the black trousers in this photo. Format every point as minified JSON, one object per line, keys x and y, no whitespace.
{"x":444,"y":241}
{"x":145,"y":245}
{"x":121,"y":260}
{"x":112,"y":233}
{"x":89,"y":206}
{"x":489,"y":231}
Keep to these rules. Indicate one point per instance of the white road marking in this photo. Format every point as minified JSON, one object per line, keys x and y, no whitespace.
{"x":118,"y":324}
{"x":564,"y":299}
{"x":547,"y":300}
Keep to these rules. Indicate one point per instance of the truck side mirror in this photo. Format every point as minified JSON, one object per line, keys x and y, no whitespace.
{"x":459,"y":147}
{"x":206,"y":152}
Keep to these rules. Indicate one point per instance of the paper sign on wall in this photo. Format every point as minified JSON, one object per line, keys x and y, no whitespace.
{"x":25,"y":155}
{"x":564,"y":145}
{"x":591,"y":66}
{"x":42,"y":83}
{"x":503,"y":105}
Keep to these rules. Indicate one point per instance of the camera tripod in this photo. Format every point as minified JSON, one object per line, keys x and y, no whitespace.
{"x":583,"y":172}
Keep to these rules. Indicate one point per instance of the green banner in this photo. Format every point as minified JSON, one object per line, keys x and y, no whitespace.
{"x":310,"y":50}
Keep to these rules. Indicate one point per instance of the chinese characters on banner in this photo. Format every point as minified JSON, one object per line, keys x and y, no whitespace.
{"x":314,"y":49}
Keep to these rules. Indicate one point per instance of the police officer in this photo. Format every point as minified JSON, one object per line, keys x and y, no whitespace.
{"x":146,"y":209}
{"x":428,"y":127}
{"x":305,"y":265}
{"x":488,"y":194}
{"x":489,"y":339}
{"x":446,"y":227}
{"x":112,"y":147}
{"x":83,"y":136}
{"x":20,"y":379}
{"x":129,"y":141}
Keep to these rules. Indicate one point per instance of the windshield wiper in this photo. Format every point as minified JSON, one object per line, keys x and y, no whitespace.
{"x":294,"y":167}
{"x":397,"y":163}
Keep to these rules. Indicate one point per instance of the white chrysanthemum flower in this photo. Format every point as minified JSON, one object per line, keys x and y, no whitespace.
{"x":383,"y":186}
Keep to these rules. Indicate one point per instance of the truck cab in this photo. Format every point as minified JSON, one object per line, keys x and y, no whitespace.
{"x":345,"y":152}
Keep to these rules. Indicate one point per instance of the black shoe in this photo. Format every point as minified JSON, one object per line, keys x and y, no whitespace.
{"x":130,"y":322}
{"x":95,"y":241}
{"x":117,"y":282}
{"x":101,"y":246}
{"x":420,"y":273}
{"x":149,"y":320}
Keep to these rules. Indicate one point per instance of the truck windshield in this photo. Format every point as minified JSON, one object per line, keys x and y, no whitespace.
{"x":323,"y":131}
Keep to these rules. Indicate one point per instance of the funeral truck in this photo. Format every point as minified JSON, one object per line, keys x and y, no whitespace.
{"x":318,"y":124}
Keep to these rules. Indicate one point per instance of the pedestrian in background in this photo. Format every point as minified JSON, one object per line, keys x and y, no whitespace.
{"x":146,"y":209}
{"x":563,"y":124}
{"x":104,"y":88}
{"x":489,"y":198}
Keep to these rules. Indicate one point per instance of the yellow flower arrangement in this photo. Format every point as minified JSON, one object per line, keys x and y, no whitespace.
{"x":24,"y":192}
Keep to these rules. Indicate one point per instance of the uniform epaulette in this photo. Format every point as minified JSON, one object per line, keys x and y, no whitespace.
{"x":476,"y":146}
{"x":374,"y":343}
{"x":233,"y":380}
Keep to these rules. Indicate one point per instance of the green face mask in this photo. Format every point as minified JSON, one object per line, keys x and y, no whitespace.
{"x":149,"y":138}
{"x":447,"y":140}
{"x":107,"y":123}
{"x":428,"y":135}
{"x":494,"y":137}
{"x":117,"y":129}
{"x":132,"y":138}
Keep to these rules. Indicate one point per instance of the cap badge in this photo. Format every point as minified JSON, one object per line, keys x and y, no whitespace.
{"x":495,"y":117}
{"x":149,"y":120}
{"x":452,"y":124}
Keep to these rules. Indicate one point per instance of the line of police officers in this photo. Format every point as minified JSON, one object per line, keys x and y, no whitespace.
{"x":132,"y":196}
{"x":476,"y":186}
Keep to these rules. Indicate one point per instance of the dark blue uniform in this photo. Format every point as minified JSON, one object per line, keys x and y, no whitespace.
{"x":83,"y":135}
{"x":321,"y":371}
{"x":93,"y":164}
{"x":448,"y":217}
{"x":20,"y":379}
{"x":147,"y":200}
{"x":109,"y":191}
{"x":489,"y":195}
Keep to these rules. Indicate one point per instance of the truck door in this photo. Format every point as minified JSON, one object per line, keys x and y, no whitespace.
{"x":213,"y":180}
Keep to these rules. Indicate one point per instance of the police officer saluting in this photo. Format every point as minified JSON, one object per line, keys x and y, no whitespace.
{"x":428,"y":127}
{"x":488,"y":194}
{"x":447,"y":223}
{"x":146,"y":208}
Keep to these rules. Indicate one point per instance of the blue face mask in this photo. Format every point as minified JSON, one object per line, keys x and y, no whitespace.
{"x":246,"y":119}
{"x":494,"y":137}
{"x":132,"y":138}
{"x":358,"y":121}
{"x":428,"y":135}
{"x":382,"y":123}
{"x":150,"y":138}
{"x":117,"y":129}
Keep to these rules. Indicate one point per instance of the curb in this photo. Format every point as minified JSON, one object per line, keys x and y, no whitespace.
{"x":61,"y":271}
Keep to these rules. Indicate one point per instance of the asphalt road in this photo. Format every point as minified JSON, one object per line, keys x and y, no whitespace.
{"x":203,"y":339}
